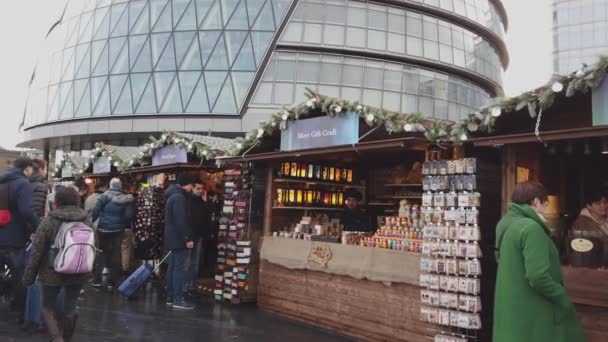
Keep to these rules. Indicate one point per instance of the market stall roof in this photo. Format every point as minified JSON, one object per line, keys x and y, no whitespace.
{"x":214,"y":143}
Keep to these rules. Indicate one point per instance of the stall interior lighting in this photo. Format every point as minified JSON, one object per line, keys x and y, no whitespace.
{"x":604,"y":146}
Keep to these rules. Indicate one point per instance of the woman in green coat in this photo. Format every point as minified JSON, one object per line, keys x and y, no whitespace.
{"x":530,"y":303}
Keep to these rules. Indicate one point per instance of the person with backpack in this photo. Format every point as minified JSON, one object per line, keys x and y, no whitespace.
{"x":17,"y":219}
{"x":178,"y":239}
{"x":530,"y":301}
{"x":63,"y":252}
{"x":115,"y":211}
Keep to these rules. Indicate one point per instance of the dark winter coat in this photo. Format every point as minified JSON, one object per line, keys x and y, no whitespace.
{"x":115,"y":211}
{"x":201,"y":218}
{"x":178,"y":218}
{"x":531,"y":302}
{"x":39,"y":193}
{"x":39,"y":263}
{"x":17,"y":232}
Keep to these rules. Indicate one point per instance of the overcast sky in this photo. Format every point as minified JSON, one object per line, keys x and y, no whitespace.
{"x":24,"y":23}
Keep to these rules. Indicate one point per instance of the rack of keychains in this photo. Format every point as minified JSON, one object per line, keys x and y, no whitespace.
{"x":234,"y":247}
{"x":450,"y":268}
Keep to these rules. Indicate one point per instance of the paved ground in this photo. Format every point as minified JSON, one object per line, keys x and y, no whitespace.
{"x":110,"y":318}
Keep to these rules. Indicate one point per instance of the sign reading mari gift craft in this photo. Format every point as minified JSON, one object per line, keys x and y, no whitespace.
{"x":102,"y":165}
{"x":169,"y":154}
{"x":320,"y":132}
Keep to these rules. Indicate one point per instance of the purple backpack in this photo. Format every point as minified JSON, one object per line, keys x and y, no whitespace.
{"x":75,"y":245}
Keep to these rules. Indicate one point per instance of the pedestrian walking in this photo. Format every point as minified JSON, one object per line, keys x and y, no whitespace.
{"x":91,"y":201}
{"x":531,"y":303}
{"x":42,"y":265}
{"x":178,"y":239}
{"x":19,"y":220}
{"x":40,"y":188}
{"x":115,"y":211}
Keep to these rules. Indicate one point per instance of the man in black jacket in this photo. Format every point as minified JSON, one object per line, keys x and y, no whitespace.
{"x":15,"y":235}
{"x":40,"y":188}
{"x":178,"y":239}
{"x":201,"y":231}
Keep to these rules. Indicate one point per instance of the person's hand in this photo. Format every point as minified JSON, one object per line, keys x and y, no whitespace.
{"x":190,"y":244}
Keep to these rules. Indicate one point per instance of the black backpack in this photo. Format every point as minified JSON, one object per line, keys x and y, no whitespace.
{"x":5,"y":211}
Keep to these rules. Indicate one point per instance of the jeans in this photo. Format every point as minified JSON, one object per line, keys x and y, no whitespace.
{"x":177,"y":274}
{"x":194,"y":261}
{"x":110,"y":257}
{"x":50,"y":299}
{"x":15,"y":259}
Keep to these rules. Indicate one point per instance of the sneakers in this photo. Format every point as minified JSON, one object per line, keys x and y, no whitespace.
{"x":96,"y":284}
{"x":183,"y":305}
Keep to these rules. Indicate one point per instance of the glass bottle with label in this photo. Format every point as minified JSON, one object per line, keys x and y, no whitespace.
{"x":294,"y":169}
{"x":303,"y":170}
{"x":338,"y":175}
{"x":292,"y":196}
{"x":317,"y":171}
{"x":325,"y":175}
{"x":311,"y":171}
{"x":285,"y":168}
{"x":332,"y":174}
{"x":300,"y":197}
{"x":279,"y":199}
{"x":349,"y":178}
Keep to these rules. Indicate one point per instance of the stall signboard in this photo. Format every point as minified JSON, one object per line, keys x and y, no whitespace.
{"x":320,"y":132}
{"x":66,"y":172}
{"x":102,"y":165}
{"x":169,"y":154}
{"x":599,"y":103}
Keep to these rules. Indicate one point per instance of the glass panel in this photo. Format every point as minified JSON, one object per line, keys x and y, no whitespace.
{"x":100,"y":49}
{"x":245,"y":61}
{"x":265,"y":20}
{"x":241,"y":82}
{"x":426,"y":106}
{"x":409,"y":103}
{"x":430,"y":31}
{"x":356,"y":17}
{"x":83,"y":54}
{"x":293,"y":32}
{"x":396,"y":23}
{"x":372,"y":97}
{"x":68,"y":64}
{"x":160,"y":15}
{"x":414,"y":27}
{"x":239,"y":19}
{"x":162,"y":83}
{"x":312,"y":33}
{"x":158,"y":43}
{"x":445,"y":54}
{"x":67,"y":100}
{"x":377,"y":20}
{"x":119,"y":55}
{"x":86,"y":27}
{"x":188,"y":18}
{"x":214,"y":80}
{"x":376,"y":40}
{"x":213,"y":18}
{"x":117,"y":84}
{"x":351,"y":94}
{"x":391,"y":101}
{"x":124,"y":104}
{"x":355,"y":37}
{"x":172,"y":102}
{"x":373,"y":78}
{"x":260,"y":41}
{"x":147,"y":103}
{"x":219,"y":58}
{"x":445,"y":35}
{"x":225,"y":102}
{"x":139,"y":17}
{"x":352,"y":75}
{"x":167,"y":60}
{"x":187,"y":83}
{"x":333,"y":35}
{"x":459,"y":58}
{"x":53,"y":107}
{"x":392,"y":80}
{"x":396,"y":43}
{"x":198,"y":101}
{"x":119,"y":20}
{"x":186,"y":46}
{"x":330,"y":73}
{"x":82,"y":98}
{"x":103,"y":103}
{"x":335,"y":14}
{"x":234,"y":41}
{"x":308,"y":72}
{"x":228,"y":7}
{"x":263,"y":94}
{"x":138,"y":85}
{"x":139,"y":51}
{"x":253,"y":9}
{"x":283,"y":93}
{"x":208,"y":40}
{"x":414,"y":46}
{"x":285,"y":70}
{"x":410,"y":83}
{"x":102,"y":23}
{"x":431,"y":50}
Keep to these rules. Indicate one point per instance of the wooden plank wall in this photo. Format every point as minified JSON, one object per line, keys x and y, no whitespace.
{"x":368,"y":310}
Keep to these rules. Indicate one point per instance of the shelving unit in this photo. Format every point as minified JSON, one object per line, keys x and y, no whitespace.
{"x":307,"y":208}
{"x":403,"y":185}
{"x":313,"y":182}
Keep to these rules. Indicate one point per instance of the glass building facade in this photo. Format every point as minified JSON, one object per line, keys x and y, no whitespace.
{"x":117,"y":67}
{"x":580,"y":33}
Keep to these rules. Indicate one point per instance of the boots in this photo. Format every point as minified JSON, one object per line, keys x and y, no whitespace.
{"x":52,"y":325}
{"x":69,"y":325}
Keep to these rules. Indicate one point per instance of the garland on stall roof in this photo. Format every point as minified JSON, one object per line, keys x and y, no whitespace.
{"x":393,"y":122}
{"x":66,"y":162}
{"x":200,"y":150}
{"x":102,"y":149}
{"x":484,"y":120}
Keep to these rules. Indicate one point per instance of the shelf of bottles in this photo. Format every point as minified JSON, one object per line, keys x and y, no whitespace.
{"x":312,"y":172}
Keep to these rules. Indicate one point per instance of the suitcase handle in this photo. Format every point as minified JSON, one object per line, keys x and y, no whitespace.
{"x":162,"y":261}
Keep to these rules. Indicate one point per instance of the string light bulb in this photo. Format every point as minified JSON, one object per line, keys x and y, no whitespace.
{"x":557,"y":87}
{"x":464,"y":137}
{"x":260,"y":132}
{"x":496,"y":112}
{"x":285,"y":116}
{"x":337,"y":109}
{"x":370,"y":117}
{"x":408,"y":127}
{"x":239,"y":145}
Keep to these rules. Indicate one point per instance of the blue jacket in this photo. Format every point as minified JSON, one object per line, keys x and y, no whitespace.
{"x":115,"y":211}
{"x":24,"y":221}
{"x":178,"y":218}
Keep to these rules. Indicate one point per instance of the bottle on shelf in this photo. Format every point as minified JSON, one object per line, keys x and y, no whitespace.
{"x":318,"y":171}
{"x":338,"y":176}
{"x":311,"y":171}
{"x":280,"y":198}
{"x":332,"y":173}
{"x":294,"y":170}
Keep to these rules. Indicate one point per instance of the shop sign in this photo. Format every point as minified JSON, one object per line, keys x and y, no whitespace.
{"x":102,"y":165}
{"x":169,"y":154}
{"x":66,"y":172}
{"x":581,"y":245}
{"x":320,"y":132}
{"x":599,"y":104}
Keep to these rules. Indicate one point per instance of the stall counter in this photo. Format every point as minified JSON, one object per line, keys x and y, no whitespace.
{"x":370,"y":293}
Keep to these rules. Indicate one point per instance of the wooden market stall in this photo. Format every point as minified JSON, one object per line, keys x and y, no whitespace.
{"x":364,"y":284}
{"x":557,"y":135}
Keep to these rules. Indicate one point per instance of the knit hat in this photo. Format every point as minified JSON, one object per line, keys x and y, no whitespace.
{"x":184,"y":179}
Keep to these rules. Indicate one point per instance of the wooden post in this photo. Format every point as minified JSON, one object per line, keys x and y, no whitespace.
{"x":268,"y":202}
{"x":509,"y":169}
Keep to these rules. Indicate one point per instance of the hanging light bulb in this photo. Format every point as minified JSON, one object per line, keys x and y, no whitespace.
{"x":310,"y":104}
{"x":239,"y":146}
{"x":110,"y":158}
{"x":273,"y":124}
{"x":116,"y":164}
{"x":205,"y":152}
{"x":260,"y":132}
{"x":557,"y":87}
{"x":463,"y":137}
{"x":359,"y":107}
{"x":370,"y":117}
{"x":408,"y":127}
{"x":285,"y":116}
{"x":496,"y":111}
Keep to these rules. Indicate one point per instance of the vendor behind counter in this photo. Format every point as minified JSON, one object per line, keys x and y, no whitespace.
{"x":591,"y":225}
{"x":353,"y":217}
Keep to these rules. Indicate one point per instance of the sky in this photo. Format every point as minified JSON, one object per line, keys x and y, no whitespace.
{"x":24,"y":23}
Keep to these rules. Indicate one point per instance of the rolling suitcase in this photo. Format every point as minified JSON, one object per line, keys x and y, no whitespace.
{"x":139,"y":278}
